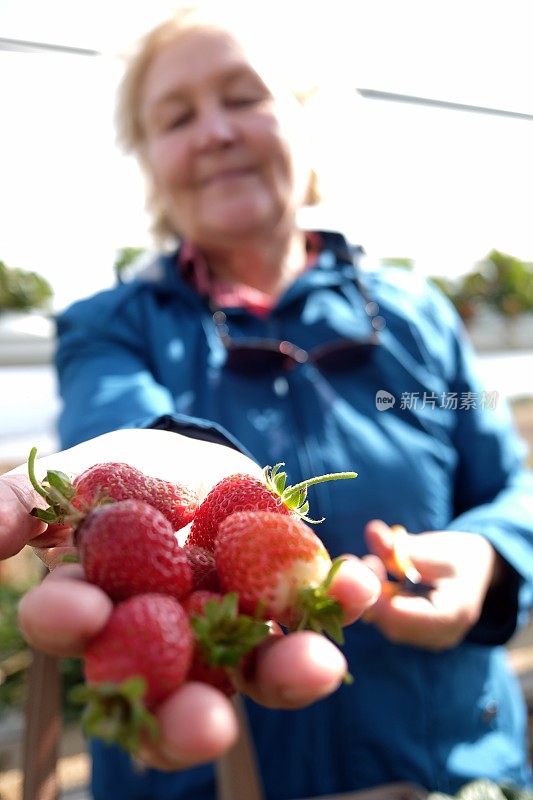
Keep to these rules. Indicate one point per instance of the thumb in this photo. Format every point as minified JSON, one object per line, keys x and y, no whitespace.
{"x":17,"y":526}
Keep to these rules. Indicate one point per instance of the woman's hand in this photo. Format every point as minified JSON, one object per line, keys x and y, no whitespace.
{"x":461,"y":566}
{"x":17,"y":526}
{"x":63,"y":613}
{"x":197,"y":722}
{"x":160,"y":454}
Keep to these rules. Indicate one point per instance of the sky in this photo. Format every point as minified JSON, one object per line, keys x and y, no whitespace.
{"x":440,"y":187}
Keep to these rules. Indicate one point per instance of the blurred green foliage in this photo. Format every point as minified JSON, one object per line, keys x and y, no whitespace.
{"x":21,"y":290}
{"x":500,"y":281}
{"x":125,"y":257}
{"x":15,"y":658}
{"x":396,"y":261}
{"x":12,"y":684}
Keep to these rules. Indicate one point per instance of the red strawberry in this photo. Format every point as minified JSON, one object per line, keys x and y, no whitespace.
{"x":142,"y":655}
{"x":242,"y":492}
{"x":149,"y":636}
{"x":119,"y":481}
{"x":129,"y":548}
{"x":70,"y":502}
{"x":204,"y":571}
{"x":280,"y":570}
{"x":223,"y":637}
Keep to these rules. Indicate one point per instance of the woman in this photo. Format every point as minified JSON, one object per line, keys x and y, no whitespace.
{"x":270,"y":332}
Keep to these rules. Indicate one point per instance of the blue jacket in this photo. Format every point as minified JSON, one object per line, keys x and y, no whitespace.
{"x":443,"y":455}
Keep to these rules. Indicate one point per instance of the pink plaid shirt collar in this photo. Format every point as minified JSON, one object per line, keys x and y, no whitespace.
{"x":195,"y":271}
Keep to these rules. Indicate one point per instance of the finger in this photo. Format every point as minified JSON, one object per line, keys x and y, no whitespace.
{"x":196,"y":724}
{"x":376,"y":565}
{"x":17,"y":526}
{"x":54,"y":557}
{"x":379,"y":539}
{"x":355,"y":587}
{"x":429,"y":552}
{"x":64,"y":612}
{"x":417,"y":621}
{"x":295,"y":670}
{"x":54,"y":535}
{"x":392,"y":545}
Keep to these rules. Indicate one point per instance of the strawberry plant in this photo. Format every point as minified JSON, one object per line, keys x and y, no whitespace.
{"x":21,"y":290}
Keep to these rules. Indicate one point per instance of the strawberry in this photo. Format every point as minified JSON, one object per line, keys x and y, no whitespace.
{"x":223,"y":637}
{"x":241,"y":492}
{"x":69,"y":502}
{"x":202,"y":564}
{"x":280,"y":570}
{"x":119,"y":481}
{"x":129,"y":548}
{"x":142,"y":655}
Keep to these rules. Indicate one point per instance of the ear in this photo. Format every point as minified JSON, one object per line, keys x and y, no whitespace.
{"x":313,"y":195}
{"x":163,"y":231}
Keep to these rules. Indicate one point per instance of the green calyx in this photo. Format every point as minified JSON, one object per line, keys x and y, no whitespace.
{"x":57,"y":490}
{"x":322,"y":613}
{"x":115,"y":713}
{"x":295,"y":497}
{"x":223,"y":635}
{"x":319,"y":611}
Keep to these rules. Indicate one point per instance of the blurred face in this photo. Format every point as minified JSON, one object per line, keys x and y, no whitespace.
{"x":219,"y":147}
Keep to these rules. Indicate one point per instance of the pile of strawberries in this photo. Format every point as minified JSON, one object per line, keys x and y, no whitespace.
{"x":191,"y":612}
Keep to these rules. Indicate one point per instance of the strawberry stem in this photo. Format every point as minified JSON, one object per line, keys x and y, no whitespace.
{"x":331,"y":476}
{"x":295,"y":497}
{"x":56,"y":489}
{"x":31,"y":474}
{"x":70,"y":558}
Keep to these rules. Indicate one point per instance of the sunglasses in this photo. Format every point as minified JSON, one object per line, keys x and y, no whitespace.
{"x":259,"y":356}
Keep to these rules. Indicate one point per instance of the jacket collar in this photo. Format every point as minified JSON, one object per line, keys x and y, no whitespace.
{"x":337,"y":260}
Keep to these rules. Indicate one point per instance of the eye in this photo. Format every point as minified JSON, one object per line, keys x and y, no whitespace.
{"x":241,"y":101}
{"x":176,"y":121}
{"x":170,"y":117}
{"x":244,"y":91}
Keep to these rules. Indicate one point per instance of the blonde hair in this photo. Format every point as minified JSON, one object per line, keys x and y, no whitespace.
{"x":130,"y":133}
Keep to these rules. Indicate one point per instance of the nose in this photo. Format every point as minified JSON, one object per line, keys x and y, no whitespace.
{"x":214,"y":128}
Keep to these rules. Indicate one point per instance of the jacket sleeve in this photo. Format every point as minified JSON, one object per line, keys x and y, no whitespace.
{"x":103,"y":382}
{"x":106,"y":384}
{"x":493,"y":490}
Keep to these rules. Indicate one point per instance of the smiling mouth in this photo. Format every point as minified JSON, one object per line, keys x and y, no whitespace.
{"x":227,"y":175}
